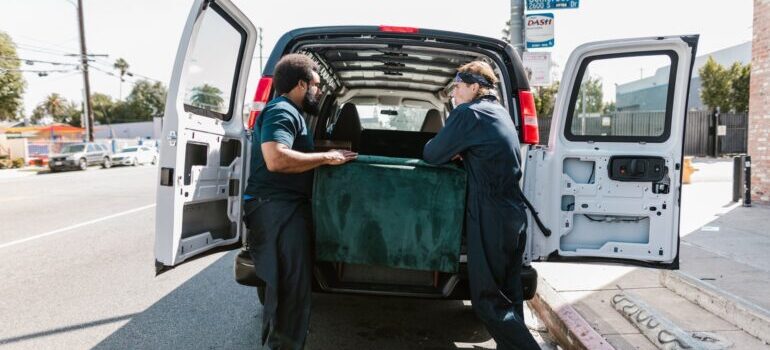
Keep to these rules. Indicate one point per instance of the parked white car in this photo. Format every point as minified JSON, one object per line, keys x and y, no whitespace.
{"x":135,"y":155}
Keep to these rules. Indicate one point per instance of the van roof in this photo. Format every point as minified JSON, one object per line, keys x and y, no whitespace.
{"x":428,"y":37}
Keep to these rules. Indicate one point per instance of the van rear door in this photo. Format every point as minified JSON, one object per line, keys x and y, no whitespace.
{"x":202,"y":148}
{"x":608,"y":185}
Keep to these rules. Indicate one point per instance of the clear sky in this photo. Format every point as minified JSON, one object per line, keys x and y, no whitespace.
{"x":146,"y":32}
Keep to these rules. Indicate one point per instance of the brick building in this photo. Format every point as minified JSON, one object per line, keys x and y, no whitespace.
{"x":759,"y":103}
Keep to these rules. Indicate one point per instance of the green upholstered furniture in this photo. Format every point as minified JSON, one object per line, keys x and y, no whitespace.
{"x":393,"y":212}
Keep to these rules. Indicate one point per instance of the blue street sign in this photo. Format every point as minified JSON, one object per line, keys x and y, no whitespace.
{"x":551,"y":4}
{"x":540,"y":44}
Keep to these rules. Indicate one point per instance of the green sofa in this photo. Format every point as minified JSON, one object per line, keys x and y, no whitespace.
{"x":392,"y":212}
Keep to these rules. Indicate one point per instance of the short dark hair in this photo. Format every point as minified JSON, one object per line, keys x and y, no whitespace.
{"x":290,"y":70}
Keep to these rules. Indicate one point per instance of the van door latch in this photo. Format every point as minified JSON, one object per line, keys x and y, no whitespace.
{"x":171,"y":138}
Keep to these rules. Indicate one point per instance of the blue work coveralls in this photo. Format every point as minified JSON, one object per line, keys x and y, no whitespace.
{"x":482,"y":132}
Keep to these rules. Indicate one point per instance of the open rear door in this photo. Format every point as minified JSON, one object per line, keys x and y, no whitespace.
{"x":608,"y":185}
{"x":203,"y":144}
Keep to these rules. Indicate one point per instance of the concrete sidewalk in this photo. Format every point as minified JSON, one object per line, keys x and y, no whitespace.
{"x":10,"y":174}
{"x":721,"y":294}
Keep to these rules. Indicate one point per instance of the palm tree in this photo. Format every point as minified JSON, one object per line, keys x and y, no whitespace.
{"x":122,"y":66}
{"x":53,"y":104}
{"x":207,"y":96}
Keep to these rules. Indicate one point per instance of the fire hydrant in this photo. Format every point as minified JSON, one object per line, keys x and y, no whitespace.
{"x":687,"y":170}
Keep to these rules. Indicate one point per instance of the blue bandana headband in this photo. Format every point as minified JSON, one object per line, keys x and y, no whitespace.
{"x":472,"y":78}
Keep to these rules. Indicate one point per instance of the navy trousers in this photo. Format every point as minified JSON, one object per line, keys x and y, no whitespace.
{"x":280,"y":245}
{"x":495,"y":228}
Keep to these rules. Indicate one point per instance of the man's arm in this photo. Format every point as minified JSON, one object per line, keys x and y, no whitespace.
{"x":451,"y":140}
{"x":280,"y":158}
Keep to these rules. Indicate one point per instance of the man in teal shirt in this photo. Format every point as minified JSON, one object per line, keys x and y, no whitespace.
{"x":277,"y":199}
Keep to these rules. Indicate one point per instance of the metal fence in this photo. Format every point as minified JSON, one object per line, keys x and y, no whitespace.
{"x":700,"y":133}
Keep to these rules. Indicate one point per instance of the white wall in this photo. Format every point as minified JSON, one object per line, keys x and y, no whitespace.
{"x":17,"y":147}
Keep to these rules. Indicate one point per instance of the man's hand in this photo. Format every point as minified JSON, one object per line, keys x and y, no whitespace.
{"x":339,"y":157}
{"x":279,"y":158}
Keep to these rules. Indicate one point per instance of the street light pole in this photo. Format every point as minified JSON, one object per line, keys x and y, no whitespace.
{"x":260,"y":50}
{"x":517,"y":26}
{"x":84,"y":66}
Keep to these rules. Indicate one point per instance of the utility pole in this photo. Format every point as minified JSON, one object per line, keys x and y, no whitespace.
{"x":84,"y":66}
{"x":517,"y":26}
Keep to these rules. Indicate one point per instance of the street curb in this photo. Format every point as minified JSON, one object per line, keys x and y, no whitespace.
{"x":563,"y":322}
{"x":747,"y":316}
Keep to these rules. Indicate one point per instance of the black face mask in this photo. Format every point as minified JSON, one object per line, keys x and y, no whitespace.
{"x":310,"y":104}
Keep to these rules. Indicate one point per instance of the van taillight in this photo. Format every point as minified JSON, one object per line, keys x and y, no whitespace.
{"x":260,"y":99}
{"x":396,"y":29}
{"x":529,"y":130}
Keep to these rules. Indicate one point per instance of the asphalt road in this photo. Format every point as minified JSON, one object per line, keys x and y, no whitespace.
{"x":76,"y":272}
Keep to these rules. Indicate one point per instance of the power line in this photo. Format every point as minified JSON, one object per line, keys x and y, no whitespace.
{"x":30,"y":61}
{"x":42,"y":49}
{"x":38,"y":70}
{"x":107,"y":65}
{"x":44,"y":44}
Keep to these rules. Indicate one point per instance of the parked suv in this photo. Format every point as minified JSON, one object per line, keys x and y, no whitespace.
{"x":80,"y":156}
{"x":605,"y":188}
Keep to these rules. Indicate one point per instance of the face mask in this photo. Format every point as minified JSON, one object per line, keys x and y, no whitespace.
{"x":310,"y":103}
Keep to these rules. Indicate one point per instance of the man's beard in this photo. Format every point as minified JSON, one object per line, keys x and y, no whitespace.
{"x":310,"y":104}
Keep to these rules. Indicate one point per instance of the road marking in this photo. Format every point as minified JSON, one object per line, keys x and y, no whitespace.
{"x":50,"y":233}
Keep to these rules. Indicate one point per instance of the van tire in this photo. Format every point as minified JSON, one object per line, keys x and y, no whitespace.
{"x":106,"y":163}
{"x":82,"y":164}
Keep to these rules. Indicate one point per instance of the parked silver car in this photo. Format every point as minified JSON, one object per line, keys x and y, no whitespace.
{"x":80,"y":156}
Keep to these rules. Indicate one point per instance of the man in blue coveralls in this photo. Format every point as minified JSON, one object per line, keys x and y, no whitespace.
{"x":480,"y":132}
{"x":277,"y":201}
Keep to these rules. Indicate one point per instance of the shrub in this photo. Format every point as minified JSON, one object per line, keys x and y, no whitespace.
{"x":17,"y":163}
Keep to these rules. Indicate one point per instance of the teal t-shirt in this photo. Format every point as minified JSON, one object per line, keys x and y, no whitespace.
{"x":281,"y":122}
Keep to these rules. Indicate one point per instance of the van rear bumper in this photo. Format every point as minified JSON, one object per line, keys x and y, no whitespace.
{"x":329,"y":279}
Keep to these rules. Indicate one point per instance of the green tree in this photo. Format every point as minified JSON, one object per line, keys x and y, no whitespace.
{"x":739,"y":92}
{"x":11,"y":81}
{"x":59,"y":109}
{"x":146,"y":100}
{"x":103,"y":107}
{"x":609,"y":108}
{"x":591,"y":94}
{"x":545,"y":98}
{"x":207,"y":96}
{"x":715,"y":85}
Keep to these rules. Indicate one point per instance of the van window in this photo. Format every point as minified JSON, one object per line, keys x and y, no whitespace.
{"x":212,"y":67}
{"x":623,"y":98}
{"x":391,"y":117}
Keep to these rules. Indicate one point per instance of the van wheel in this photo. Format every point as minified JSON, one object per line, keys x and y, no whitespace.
{"x":107,"y":163}
{"x":83,"y":164}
